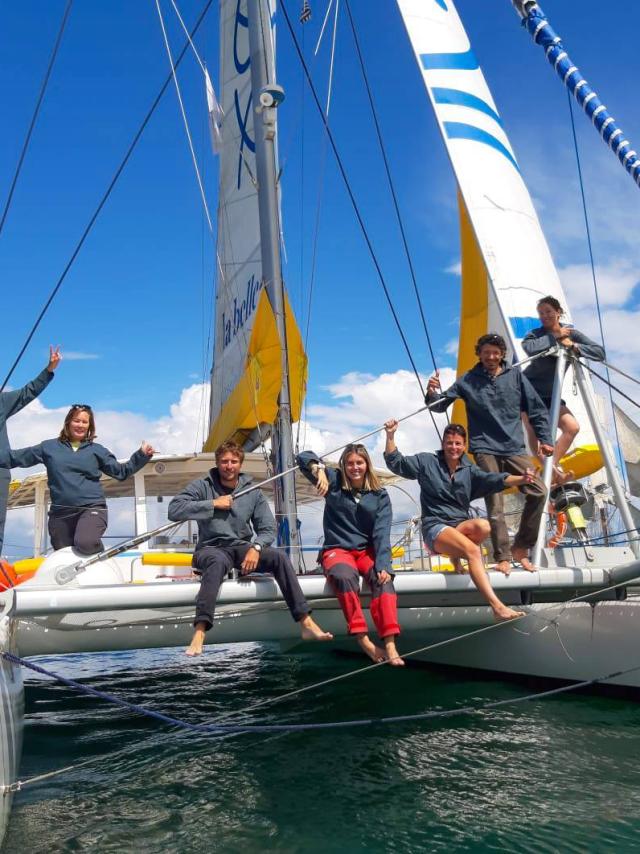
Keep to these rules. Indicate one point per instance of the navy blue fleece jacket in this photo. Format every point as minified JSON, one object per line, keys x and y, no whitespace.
{"x":353,"y":524}
{"x":494,"y":404}
{"x":74,"y":476}
{"x":541,"y":372}
{"x":445,"y":497}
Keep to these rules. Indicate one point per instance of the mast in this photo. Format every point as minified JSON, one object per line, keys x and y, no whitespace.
{"x":265,"y":96}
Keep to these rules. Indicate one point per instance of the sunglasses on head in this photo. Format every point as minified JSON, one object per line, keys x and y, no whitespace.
{"x":81,"y":406}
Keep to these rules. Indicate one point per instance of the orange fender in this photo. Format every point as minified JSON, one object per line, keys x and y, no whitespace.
{"x":10,"y":578}
{"x":561,"y":525}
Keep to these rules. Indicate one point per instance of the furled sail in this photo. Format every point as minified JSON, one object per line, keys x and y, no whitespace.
{"x":246,"y":376}
{"x":629,"y":436}
{"x":496,"y":204}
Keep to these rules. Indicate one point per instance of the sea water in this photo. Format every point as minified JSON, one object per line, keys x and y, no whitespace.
{"x":560,"y":774}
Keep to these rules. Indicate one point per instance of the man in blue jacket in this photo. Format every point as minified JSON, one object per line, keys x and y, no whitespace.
{"x":235,"y":531}
{"x":495,"y":395}
{"x":10,"y":403}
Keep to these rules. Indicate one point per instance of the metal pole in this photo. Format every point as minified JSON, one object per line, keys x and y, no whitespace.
{"x":609,"y":463}
{"x":266,"y":95}
{"x":547,"y":472}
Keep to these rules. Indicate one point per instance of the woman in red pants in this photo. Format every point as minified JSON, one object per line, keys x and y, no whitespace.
{"x":357,"y":530}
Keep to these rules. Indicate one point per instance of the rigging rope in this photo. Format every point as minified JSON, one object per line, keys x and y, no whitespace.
{"x":350,"y":193}
{"x":104,"y":199}
{"x":184,"y":116}
{"x":34,"y":118}
{"x":593,"y":273}
{"x":390,"y":181}
{"x":607,"y":382}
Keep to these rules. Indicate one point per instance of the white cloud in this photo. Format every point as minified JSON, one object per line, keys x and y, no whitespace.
{"x":454,"y":269}
{"x":79,"y":356}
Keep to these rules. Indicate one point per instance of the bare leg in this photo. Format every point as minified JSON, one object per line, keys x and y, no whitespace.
{"x":374,"y":652}
{"x":310,"y":630}
{"x":569,"y":429}
{"x":458,"y":567}
{"x":391,"y":653}
{"x":197,"y":641}
{"x":454,"y":542}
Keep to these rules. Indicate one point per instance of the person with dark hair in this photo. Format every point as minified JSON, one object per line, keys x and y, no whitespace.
{"x":495,"y":395}
{"x":235,"y":530}
{"x":357,"y":541}
{"x":449,"y":482}
{"x":541,"y":372}
{"x":10,"y":403}
{"x":74,"y":463}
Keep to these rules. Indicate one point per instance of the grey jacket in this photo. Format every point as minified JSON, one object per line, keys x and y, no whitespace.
{"x":13,"y":401}
{"x":250,"y":514}
{"x":493,"y":407}
{"x":541,"y":373}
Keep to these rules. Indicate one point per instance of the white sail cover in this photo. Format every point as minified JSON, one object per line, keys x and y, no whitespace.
{"x":239,"y":281}
{"x":506,"y":226}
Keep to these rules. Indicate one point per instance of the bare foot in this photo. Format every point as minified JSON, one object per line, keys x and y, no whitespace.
{"x":197,"y":642}
{"x":458,"y":567}
{"x":391,"y":653}
{"x":521,"y":557}
{"x":310,"y":630}
{"x":369,"y":648}
{"x":501,"y":613}
{"x":503,"y":566}
{"x":561,"y":476}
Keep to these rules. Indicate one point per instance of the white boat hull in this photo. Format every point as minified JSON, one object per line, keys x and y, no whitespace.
{"x":11,"y":719}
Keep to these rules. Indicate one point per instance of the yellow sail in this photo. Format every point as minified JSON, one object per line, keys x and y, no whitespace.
{"x":254,"y":400}
{"x":582,"y":460}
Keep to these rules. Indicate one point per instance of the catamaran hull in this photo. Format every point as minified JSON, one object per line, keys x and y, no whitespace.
{"x":11,"y":719}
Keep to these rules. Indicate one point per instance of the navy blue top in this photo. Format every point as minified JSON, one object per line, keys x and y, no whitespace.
{"x":13,"y":401}
{"x":74,"y":476}
{"x":248,"y":514}
{"x":541,"y":372}
{"x":494,"y":404}
{"x":353,"y":520}
{"x":445,"y":497}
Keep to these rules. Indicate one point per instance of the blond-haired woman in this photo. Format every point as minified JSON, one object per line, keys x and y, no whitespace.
{"x":74,"y":463}
{"x":357,"y":541}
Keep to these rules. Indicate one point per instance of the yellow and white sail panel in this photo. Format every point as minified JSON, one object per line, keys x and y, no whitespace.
{"x":498,"y":206}
{"x":254,"y":400}
{"x":245,"y":381}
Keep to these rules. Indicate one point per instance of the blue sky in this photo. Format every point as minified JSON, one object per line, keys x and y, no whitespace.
{"x":138,"y":298}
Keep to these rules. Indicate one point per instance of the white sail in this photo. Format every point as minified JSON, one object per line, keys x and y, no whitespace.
{"x":506,"y":227}
{"x":629,"y":436}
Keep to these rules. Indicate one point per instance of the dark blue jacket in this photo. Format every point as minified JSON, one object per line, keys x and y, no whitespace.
{"x":445,"y":497}
{"x":235,"y":527}
{"x":493,"y":407}
{"x":351,"y":524}
{"x":74,"y":476}
{"x":541,"y":373}
{"x":13,"y":401}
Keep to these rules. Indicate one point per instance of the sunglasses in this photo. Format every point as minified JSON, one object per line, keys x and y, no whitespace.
{"x":81,"y":406}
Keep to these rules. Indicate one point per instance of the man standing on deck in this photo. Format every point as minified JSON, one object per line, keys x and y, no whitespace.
{"x":235,"y":530}
{"x":10,"y":403}
{"x":495,"y":395}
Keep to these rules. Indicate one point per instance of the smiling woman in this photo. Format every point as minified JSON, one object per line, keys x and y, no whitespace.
{"x":74,"y":462}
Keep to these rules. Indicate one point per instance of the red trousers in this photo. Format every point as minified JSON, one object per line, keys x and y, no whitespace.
{"x":342,"y":568}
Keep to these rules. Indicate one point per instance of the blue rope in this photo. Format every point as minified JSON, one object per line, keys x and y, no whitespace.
{"x":217,"y":729}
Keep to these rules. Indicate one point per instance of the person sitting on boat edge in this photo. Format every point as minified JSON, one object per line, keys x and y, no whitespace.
{"x":495,"y":395}
{"x":74,"y":462}
{"x":449,"y":482}
{"x":541,"y":372}
{"x":235,"y":531}
{"x":357,"y":541}
{"x":10,"y":403}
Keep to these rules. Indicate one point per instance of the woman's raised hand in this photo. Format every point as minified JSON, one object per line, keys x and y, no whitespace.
{"x":391,"y":426}
{"x":147,"y":449}
{"x":54,"y":358}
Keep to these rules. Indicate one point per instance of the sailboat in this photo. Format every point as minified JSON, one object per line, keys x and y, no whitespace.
{"x":67,"y":605}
